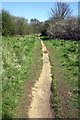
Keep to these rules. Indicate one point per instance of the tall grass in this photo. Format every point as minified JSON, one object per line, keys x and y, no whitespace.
{"x":64,"y":61}
{"x":17,"y":60}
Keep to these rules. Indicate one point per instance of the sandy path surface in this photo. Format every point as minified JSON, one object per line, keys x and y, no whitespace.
{"x":40,"y":104}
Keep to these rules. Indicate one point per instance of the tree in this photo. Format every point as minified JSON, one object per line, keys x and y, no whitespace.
{"x":61,"y":11}
{"x":43,"y":28}
{"x":35,"y":26}
{"x":0,"y":23}
{"x":34,"y":21}
{"x":21,"y":24}
{"x":65,"y":29}
{"x":12,"y":25}
{"x":7,"y":24}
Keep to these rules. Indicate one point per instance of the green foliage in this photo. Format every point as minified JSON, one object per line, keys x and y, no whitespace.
{"x":68,"y":53}
{"x":21,"y":25}
{"x":12,"y":25}
{"x":61,"y":29}
{"x":18,"y":54}
{"x":7,"y":24}
{"x":64,"y":61}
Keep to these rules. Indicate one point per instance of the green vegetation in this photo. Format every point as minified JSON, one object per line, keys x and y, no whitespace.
{"x":64,"y":61}
{"x":59,"y":25}
{"x":12,"y":25}
{"x":21,"y":67}
{"x":22,"y":61}
{"x":0,"y":78}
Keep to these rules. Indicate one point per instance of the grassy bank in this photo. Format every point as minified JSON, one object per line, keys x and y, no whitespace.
{"x":22,"y":64}
{"x":64,"y":61}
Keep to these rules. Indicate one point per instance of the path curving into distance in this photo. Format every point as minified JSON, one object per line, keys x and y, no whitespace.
{"x":40,"y":103}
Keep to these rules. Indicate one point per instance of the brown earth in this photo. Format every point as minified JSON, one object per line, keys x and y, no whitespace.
{"x":40,"y":103}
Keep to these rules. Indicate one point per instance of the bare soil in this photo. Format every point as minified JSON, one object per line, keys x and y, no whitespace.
{"x":40,"y":103}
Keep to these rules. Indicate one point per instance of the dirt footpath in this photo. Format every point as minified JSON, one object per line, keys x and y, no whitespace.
{"x":40,"y":104}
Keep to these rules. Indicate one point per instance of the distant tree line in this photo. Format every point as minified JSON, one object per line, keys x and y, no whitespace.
{"x":60,"y":25}
{"x":12,"y":25}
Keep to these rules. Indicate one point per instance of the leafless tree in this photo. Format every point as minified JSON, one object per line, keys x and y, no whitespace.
{"x":61,"y":11}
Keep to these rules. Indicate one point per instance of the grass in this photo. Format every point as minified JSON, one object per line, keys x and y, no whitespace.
{"x":64,"y":61}
{"x":0,"y":77}
{"x":21,"y":61}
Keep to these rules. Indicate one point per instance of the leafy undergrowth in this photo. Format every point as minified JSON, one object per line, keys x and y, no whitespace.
{"x":64,"y":61}
{"x":21,"y":66}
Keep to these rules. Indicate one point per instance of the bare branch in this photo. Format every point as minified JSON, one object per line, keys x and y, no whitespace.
{"x":61,"y":11}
